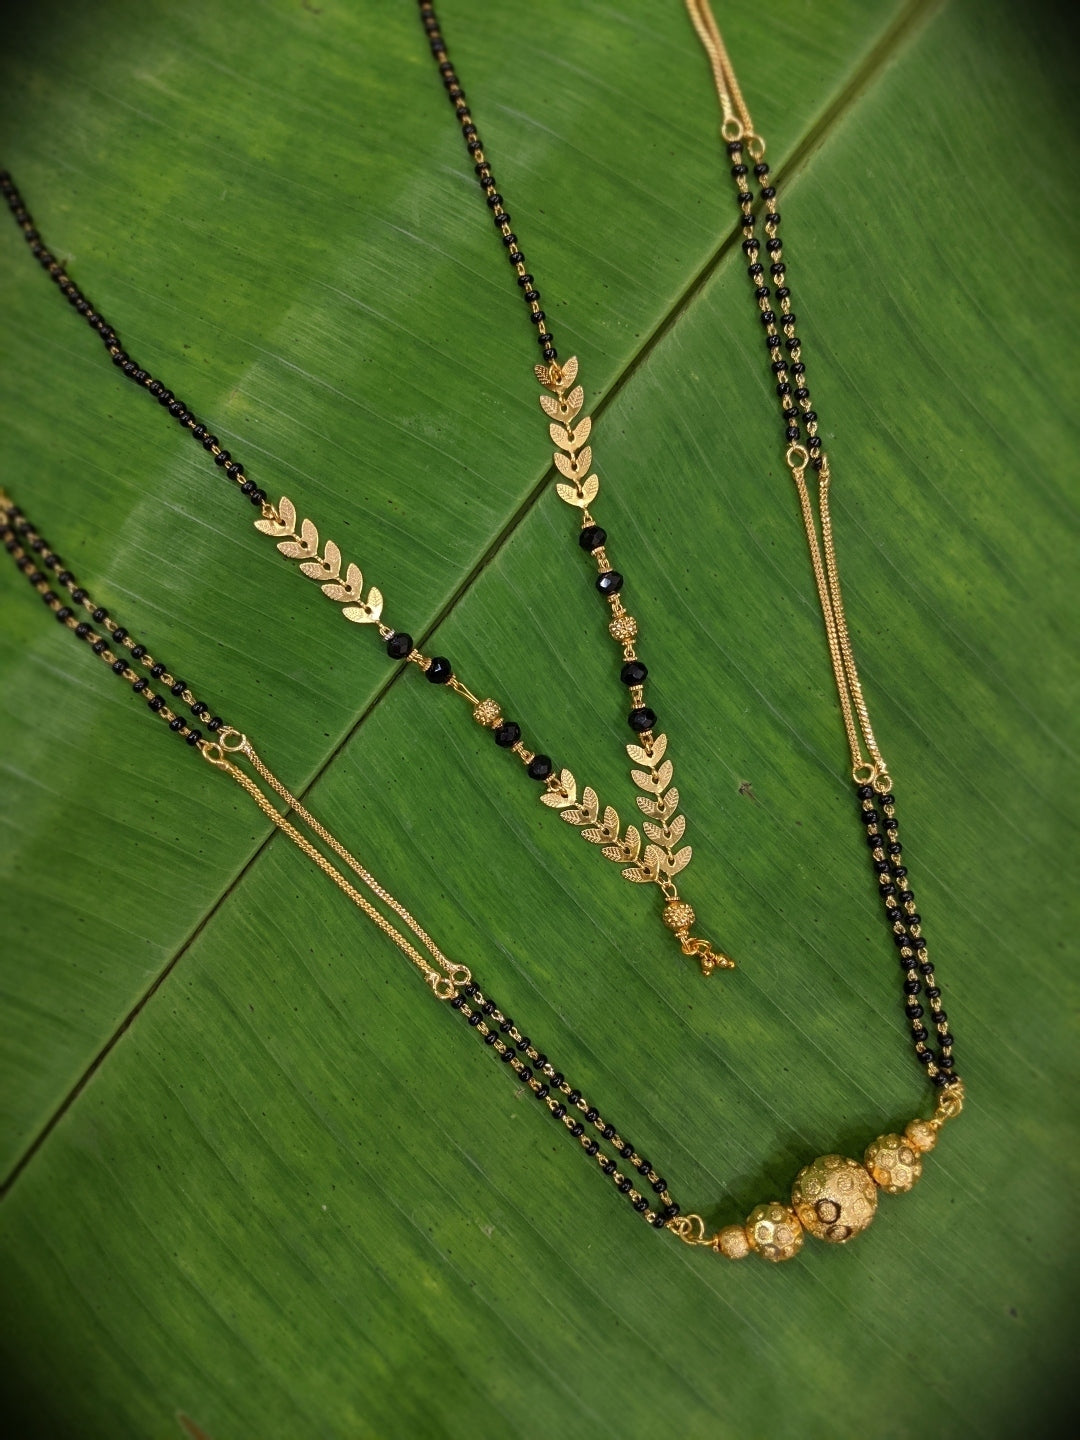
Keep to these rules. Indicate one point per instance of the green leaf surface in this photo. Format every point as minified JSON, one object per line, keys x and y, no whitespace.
{"x":257,"y":1180}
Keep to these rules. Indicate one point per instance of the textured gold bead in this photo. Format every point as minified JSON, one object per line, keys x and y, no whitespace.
{"x":487,"y":713}
{"x":733,"y":1242}
{"x":834,"y":1198}
{"x":774,"y":1232}
{"x":893,"y":1163}
{"x":920,"y":1135}
{"x":678,"y":915}
{"x":623,"y":628}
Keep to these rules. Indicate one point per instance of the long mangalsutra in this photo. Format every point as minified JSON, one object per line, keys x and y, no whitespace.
{"x":833,"y":1198}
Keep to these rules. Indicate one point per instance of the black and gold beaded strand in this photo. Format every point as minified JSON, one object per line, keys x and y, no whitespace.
{"x":804,"y":451}
{"x":833,"y":1198}
{"x":657,"y":858}
{"x":663,"y":856}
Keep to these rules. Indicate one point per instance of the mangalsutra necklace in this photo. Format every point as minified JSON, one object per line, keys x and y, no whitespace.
{"x":563,"y":402}
{"x":834,"y":1198}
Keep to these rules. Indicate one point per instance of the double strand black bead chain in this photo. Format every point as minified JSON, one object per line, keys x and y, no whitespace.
{"x":516,"y":1051}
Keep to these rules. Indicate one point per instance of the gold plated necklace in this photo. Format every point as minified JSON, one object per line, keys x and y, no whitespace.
{"x":833,"y":1199}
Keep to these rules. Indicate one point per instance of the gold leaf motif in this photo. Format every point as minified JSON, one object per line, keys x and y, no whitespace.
{"x":596,"y":837}
{"x":632,"y":842}
{"x":550,"y":405}
{"x":655,"y":832}
{"x":561,"y":436}
{"x":287,"y":511}
{"x":283,"y":525}
{"x":571,"y":494}
{"x":590,"y":488}
{"x":582,"y":431}
{"x":676,"y":828}
{"x":648,"y":806}
{"x":350,"y":590}
{"x":679,"y":860}
{"x":567,"y":465}
{"x":554,"y":799}
{"x":368,"y":613}
{"x":327,"y":568}
{"x":590,"y":802}
{"x":637,"y":875}
{"x":664,"y":775}
{"x":565,"y":793}
{"x":654,"y":859}
{"x":646,"y":779}
{"x":669,"y":804}
{"x":543,"y":374}
{"x":574,"y":816}
{"x":572,"y":403}
{"x":611,"y":822}
{"x":569,"y":371}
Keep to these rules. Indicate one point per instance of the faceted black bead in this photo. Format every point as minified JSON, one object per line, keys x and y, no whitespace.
{"x":591,"y":537}
{"x":439,"y":671}
{"x":540,"y":767}
{"x":508,"y":734}
{"x":633,"y":673}
{"x":399,"y":645}
{"x":609,"y":583}
{"x":641,"y":719}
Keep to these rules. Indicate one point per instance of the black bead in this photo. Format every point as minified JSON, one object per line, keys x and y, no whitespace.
{"x":626,"y":1151}
{"x":100,"y":614}
{"x":540,"y":767}
{"x":64,"y":613}
{"x":215,"y":724}
{"x":633,"y":673}
{"x":659,"y":1184}
{"x":178,"y":686}
{"x":913,"y":1011}
{"x":139,"y":686}
{"x":641,"y":1204}
{"x":590,"y":1147}
{"x":592,"y":1114}
{"x":439,"y":671}
{"x":176,"y":724}
{"x":78,"y":596}
{"x":506,"y":1056}
{"x":155,"y":702}
{"x":119,"y":666}
{"x":608,"y":1132}
{"x":98,"y":646}
{"x":82,"y":630}
{"x":157,"y":670}
{"x":623,"y":1185}
{"x":542,"y":1093}
{"x":508,"y":734}
{"x":657,"y":1221}
{"x":670,"y":1211}
{"x":591,"y":537}
{"x":399,"y":645}
{"x":642,"y":719}
{"x":474,"y":1019}
{"x":608,"y":1166}
{"x":609,"y":583}
{"x":558,"y":1078}
{"x":558,"y":1111}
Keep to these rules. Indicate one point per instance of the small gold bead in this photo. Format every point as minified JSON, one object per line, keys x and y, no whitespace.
{"x":920,"y":1135}
{"x":893,"y":1163}
{"x":623,"y":627}
{"x":774,"y":1232}
{"x":678,"y":915}
{"x":733,"y":1242}
{"x":834,"y":1198}
{"x":488,"y":713}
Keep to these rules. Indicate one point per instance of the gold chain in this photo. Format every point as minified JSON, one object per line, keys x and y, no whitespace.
{"x":737,"y":124}
{"x":867,"y":765}
{"x":230,"y":743}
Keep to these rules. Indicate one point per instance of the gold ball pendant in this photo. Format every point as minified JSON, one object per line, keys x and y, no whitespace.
{"x":678,"y":915}
{"x":893,"y":1162}
{"x":834,"y":1198}
{"x":774,"y":1231}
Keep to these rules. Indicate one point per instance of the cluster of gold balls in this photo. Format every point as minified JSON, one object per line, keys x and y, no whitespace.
{"x":833,"y":1199}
